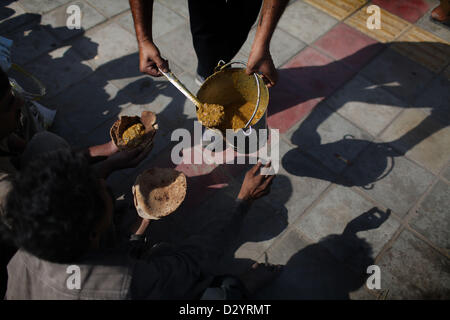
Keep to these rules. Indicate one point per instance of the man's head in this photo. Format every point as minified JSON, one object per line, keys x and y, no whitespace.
{"x":57,"y":209}
{"x":9,"y":106}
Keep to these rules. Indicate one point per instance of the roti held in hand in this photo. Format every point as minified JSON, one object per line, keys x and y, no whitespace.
{"x":158,"y":192}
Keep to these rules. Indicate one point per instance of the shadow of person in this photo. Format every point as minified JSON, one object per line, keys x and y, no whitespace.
{"x":331,"y":268}
{"x":379,"y":158}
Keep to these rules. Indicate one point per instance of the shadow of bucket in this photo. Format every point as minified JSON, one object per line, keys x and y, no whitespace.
{"x":230,"y":86}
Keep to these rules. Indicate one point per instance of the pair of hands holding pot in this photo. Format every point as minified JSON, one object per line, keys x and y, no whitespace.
{"x":260,"y":61}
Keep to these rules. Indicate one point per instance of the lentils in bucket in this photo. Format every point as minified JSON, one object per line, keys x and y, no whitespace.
{"x":211,"y":115}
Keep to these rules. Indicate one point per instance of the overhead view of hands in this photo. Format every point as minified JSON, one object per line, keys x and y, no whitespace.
{"x":260,"y":61}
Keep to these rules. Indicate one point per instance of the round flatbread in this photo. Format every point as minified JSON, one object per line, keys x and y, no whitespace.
{"x":158,"y":192}
{"x":147,"y":119}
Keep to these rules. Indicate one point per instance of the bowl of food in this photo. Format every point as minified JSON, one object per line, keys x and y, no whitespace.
{"x":242,"y":98}
{"x":131,"y":132}
{"x":158,"y":192}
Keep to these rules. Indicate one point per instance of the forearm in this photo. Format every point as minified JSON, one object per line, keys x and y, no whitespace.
{"x":142,"y":11}
{"x":99,"y":152}
{"x":270,"y":15}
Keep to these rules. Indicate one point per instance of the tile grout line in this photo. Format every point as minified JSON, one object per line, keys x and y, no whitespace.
{"x":388,"y":245}
{"x":102,"y":12}
{"x":439,"y":250}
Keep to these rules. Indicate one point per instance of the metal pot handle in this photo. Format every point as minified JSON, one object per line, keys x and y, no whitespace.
{"x":221,"y":66}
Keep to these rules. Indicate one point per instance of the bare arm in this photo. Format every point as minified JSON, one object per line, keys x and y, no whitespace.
{"x":150,"y":60}
{"x":142,"y":11}
{"x":260,"y":59}
{"x":270,"y":15}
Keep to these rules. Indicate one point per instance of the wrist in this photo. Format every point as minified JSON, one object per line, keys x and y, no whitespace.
{"x":141,"y":226}
{"x":244,"y":197}
{"x":261,"y":43}
{"x":145,"y":41}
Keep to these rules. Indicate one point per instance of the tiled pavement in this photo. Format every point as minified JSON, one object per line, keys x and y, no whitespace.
{"x":364,"y":120}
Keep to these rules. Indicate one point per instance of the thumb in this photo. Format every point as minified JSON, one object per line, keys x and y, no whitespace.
{"x":250,"y":69}
{"x":161,"y":63}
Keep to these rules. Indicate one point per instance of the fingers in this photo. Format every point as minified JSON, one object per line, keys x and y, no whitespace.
{"x":161,"y":63}
{"x":250,"y":69}
{"x":270,"y":75}
{"x":152,"y":70}
{"x":268,"y":181}
{"x":256,"y":167}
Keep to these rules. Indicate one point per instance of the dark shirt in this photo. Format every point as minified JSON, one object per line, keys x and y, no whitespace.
{"x":169,"y":272}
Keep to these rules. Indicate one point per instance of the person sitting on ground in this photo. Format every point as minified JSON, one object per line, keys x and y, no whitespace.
{"x":19,"y":144}
{"x":58,"y":214}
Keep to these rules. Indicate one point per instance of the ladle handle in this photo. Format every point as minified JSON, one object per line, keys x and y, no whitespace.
{"x":177,"y":83}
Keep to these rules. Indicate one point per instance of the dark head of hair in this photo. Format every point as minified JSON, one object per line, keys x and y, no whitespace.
{"x":4,"y":84}
{"x":53,"y":207}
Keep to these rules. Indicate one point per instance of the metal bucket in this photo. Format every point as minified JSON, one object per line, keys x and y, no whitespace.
{"x":231,"y":86}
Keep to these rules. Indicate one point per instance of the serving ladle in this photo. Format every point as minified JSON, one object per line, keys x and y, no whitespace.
{"x":215,"y":111}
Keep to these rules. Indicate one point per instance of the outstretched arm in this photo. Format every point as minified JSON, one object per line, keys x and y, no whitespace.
{"x":174,"y":272}
{"x":149,"y":56}
{"x":260,"y":59}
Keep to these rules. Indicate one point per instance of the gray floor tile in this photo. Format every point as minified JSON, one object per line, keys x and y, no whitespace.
{"x":421,"y":137}
{"x":313,"y":272}
{"x":124,"y":73}
{"x":98,"y":46}
{"x":30,"y":42}
{"x":179,"y":6}
{"x":399,"y":75}
{"x":176,"y":42}
{"x":58,"y":69}
{"x":125,"y":20}
{"x":283,"y":46}
{"x":342,"y":208}
{"x":435,"y":99}
{"x":305,"y":22}
{"x":110,"y":7}
{"x":329,"y":137}
{"x":438,"y":29}
{"x":41,"y":6}
{"x":165,"y":20}
{"x":12,"y":16}
{"x":413,"y":270}
{"x":260,"y":228}
{"x":56,"y":20}
{"x":90,"y":103}
{"x":365,"y":104}
{"x":432,"y":217}
{"x":298,"y":183}
{"x":446,"y":174}
{"x":362,"y":294}
{"x":282,"y":251}
{"x":394,"y":181}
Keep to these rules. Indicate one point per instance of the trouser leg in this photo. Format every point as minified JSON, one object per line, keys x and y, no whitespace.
{"x":244,"y":15}
{"x":219,"y":29}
